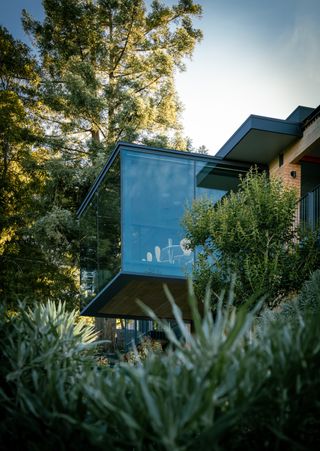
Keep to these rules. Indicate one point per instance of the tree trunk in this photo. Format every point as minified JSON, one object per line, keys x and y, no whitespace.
{"x":107,"y":331}
{"x":6,"y":150}
{"x":95,"y":136}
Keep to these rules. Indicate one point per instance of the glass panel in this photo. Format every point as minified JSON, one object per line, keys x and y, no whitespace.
{"x":310,"y":176}
{"x":214,"y":180}
{"x":108,"y":225}
{"x":156,"y":190}
{"x":88,"y":252}
{"x":100,"y":249}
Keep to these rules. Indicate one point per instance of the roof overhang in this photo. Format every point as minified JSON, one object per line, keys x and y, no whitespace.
{"x":118,"y":298}
{"x":260,"y":139}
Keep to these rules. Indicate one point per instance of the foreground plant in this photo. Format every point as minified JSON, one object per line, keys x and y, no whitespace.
{"x":45,"y":352}
{"x":229,"y":385}
{"x":193,"y":393}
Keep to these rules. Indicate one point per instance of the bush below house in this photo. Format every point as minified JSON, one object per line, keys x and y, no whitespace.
{"x":252,"y":233}
{"x":233,"y":384}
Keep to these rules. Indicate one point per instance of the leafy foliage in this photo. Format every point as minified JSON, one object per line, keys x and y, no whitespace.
{"x":108,"y":68}
{"x":252,"y":233}
{"x":309,"y":296}
{"x":307,"y":300}
{"x":144,"y":348}
{"x":223,"y":385}
{"x":44,"y":353}
{"x":27,"y":267}
{"x":104,"y":71}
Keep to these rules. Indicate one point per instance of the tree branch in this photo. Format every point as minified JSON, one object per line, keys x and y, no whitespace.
{"x":149,"y":84}
{"x":126,"y":42}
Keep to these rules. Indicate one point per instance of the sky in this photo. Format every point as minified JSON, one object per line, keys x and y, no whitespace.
{"x":257,"y":57}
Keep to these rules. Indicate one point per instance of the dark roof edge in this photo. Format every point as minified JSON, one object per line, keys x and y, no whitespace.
{"x":300,"y":113}
{"x":261,"y":123}
{"x":98,"y":180}
{"x":315,"y":113}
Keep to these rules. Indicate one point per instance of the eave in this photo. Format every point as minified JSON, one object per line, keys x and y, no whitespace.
{"x":118,"y":298}
{"x":260,"y":139}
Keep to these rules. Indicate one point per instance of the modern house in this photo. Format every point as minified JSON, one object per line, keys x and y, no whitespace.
{"x":290,"y":148}
{"x":132,"y":241}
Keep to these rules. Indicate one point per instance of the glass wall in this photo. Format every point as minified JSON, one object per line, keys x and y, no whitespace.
{"x":214,"y":180}
{"x":156,"y":190}
{"x":100,"y":241}
{"x":88,"y":252}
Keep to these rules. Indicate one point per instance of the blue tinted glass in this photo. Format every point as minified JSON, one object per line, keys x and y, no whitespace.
{"x":156,"y":190}
{"x":100,"y":243}
{"x":214,"y":180}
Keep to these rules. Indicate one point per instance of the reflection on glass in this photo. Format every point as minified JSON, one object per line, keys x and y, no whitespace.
{"x":88,"y":251}
{"x":156,"y":190}
{"x":214,"y":180}
{"x":100,"y":250}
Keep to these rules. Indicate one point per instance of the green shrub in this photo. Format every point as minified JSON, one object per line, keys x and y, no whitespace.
{"x":181,"y":399}
{"x":309,"y":296}
{"x":141,"y":352}
{"x":223,"y":387}
{"x":45,"y":354}
{"x":306,"y":302}
{"x":252,"y":233}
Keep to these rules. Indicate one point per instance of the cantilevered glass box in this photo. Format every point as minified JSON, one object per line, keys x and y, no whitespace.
{"x":132,"y":241}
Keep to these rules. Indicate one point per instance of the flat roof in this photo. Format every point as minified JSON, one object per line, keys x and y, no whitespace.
{"x":260,"y":139}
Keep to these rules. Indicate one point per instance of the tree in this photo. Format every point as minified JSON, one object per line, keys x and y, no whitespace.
{"x":18,"y":132}
{"x":104,"y":71}
{"x":108,"y":69}
{"x":28,"y":268}
{"x":252,"y":233}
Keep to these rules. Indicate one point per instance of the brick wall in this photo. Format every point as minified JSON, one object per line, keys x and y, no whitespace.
{"x":293,"y":154}
{"x":284,"y":172}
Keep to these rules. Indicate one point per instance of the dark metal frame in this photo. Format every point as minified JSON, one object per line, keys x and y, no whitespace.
{"x":309,"y":209}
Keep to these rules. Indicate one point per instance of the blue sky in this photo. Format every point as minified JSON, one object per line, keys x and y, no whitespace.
{"x":257,"y":57}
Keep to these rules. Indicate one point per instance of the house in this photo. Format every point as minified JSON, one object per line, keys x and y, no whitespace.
{"x":132,"y":241}
{"x":290,"y":148}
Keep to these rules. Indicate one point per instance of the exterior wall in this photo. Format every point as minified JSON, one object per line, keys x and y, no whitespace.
{"x":311,"y":135}
{"x":293,"y":154}
{"x":284,"y":172}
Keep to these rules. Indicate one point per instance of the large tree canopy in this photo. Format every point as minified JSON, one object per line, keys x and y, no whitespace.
{"x":103,"y":71}
{"x":108,"y":67}
{"x":27,"y":267}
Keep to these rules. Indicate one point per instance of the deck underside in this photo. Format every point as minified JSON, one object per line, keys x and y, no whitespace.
{"x":118,"y":299}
